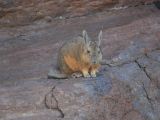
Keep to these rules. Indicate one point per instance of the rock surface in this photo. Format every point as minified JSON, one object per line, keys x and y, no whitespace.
{"x":22,"y":12}
{"x":129,"y":89}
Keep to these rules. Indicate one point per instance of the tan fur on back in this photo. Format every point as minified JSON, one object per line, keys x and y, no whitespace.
{"x":70,"y":59}
{"x":80,"y":56}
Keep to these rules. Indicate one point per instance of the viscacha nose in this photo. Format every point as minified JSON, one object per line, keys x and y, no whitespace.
{"x":94,"y":62}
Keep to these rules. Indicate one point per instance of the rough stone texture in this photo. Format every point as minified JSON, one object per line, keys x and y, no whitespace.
{"x":128,"y":89}
{"x":151,"y":68}
{"x":22,"y":12}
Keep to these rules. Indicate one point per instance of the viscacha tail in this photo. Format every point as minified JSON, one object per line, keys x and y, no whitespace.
{"x":55,"y":74}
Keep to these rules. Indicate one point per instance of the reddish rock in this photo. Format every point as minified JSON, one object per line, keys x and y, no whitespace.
{"x":128,"y":90}
{"x":18,"y":12}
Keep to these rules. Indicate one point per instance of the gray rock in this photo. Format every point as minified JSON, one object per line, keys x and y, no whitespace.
{"x":127,"y":90}
{"x":152,"y":71}
{"x":155,"y":55}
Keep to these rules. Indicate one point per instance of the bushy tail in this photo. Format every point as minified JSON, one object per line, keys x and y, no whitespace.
{"x":56,"y":74}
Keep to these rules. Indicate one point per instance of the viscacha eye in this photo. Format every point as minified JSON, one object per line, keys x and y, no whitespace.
{"x":88,"y":51}
{"x":99,"y":51}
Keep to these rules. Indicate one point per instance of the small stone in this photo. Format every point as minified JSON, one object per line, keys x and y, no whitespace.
{"x":60,"y":17}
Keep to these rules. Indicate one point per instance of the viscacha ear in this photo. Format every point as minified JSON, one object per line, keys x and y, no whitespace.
{"x":99,"y":38}
{"x":85,"y":36}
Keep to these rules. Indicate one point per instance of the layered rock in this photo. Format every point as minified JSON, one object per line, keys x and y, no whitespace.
{"x":128,"y":89}
{"x":21,"y":12}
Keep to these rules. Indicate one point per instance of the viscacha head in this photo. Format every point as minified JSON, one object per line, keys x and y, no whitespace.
{"x":92,"y":53}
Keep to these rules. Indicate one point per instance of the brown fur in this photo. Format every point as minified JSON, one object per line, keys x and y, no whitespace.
{"x":74,"y":57}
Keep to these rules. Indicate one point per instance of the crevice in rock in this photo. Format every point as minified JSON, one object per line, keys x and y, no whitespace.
{"x":143,"y":86}
{"x":147,"y":96}
{"x":157,"y":4}
{"x":143,"y":69}
{"x":51,"y":102}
